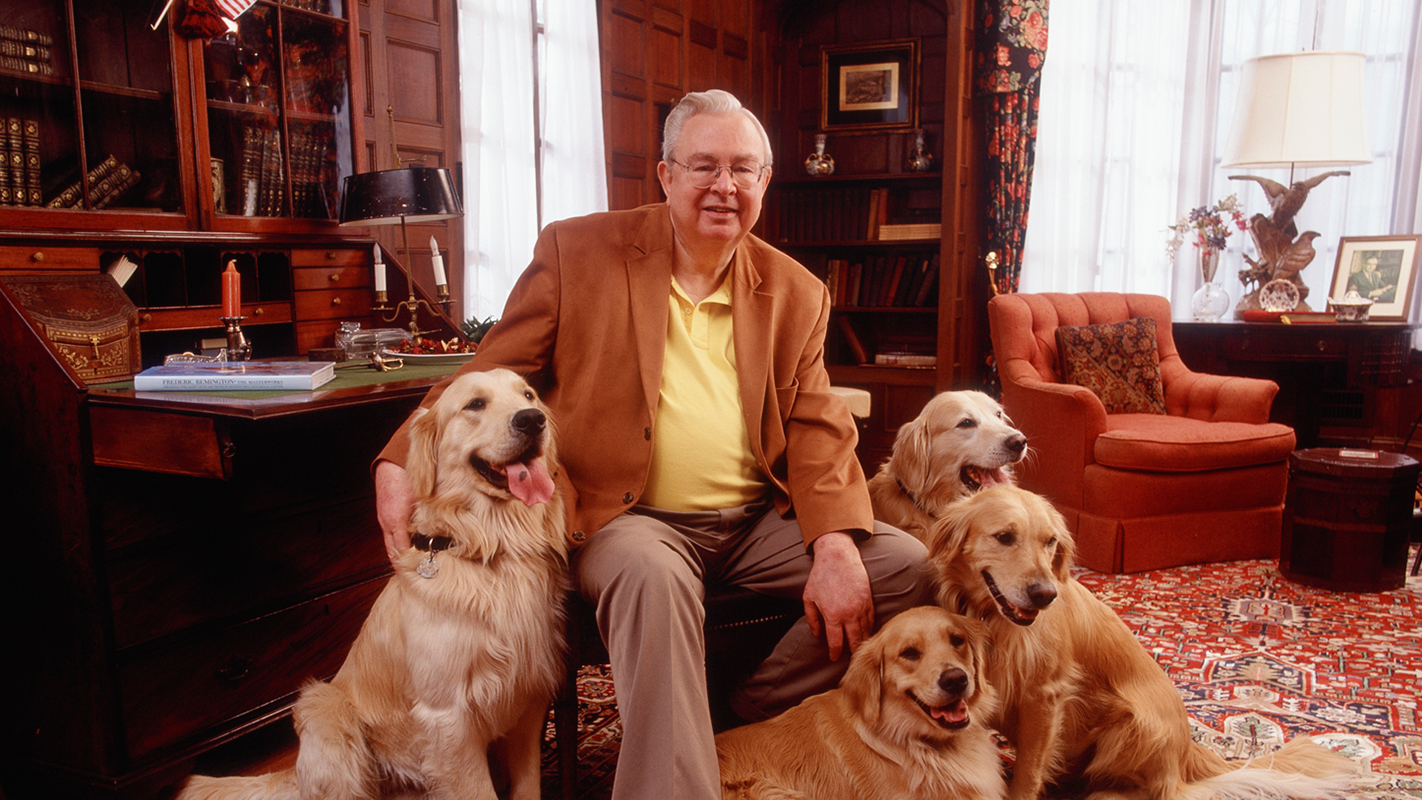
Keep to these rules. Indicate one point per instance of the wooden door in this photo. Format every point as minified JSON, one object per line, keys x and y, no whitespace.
{"x":409,"y":51}
{"x":653,"y":53}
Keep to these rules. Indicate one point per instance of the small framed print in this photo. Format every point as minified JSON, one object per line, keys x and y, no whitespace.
{"x":869,"y":87}
{"x":1380,"y":268}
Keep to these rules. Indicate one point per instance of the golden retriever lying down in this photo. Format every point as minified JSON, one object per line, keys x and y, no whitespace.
{"x":464,"y":646}
{"x":906,"y":722}
{"x":1081,"y":699}
{"x":958,"y":444}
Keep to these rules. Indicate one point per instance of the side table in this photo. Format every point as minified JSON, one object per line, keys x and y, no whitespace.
{"x":1348,"y":519}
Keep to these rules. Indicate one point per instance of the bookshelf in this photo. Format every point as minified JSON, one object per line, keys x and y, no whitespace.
{"x":876,"y":213}
{"x":278,"y":101}
{"x":113,"y":124}
{"x":875,"y":240}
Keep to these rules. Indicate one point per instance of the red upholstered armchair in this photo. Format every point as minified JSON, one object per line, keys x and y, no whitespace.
{"x":1202,"y":482}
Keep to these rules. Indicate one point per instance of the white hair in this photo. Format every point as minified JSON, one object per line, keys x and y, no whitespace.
{"x":715,"y":101}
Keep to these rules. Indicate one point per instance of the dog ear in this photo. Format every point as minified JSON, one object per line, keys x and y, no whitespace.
{"x":978,"y":642}
{"x":911,"y":455}
{"x":863,"y":682}
{"x":950,"y":530}
{"x":422,"y":464}
{"x":1066,"y":544}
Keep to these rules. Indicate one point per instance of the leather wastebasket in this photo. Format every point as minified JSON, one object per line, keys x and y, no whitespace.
{"x":1348,"y":519}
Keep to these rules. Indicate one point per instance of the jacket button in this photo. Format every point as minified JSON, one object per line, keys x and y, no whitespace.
{"x":647,"y":434}
{"x":629,"y":497}
{"x":579,"y":536}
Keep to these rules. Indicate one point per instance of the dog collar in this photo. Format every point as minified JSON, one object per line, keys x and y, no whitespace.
{"x":913,"y":497}
{"x":431,"y":545}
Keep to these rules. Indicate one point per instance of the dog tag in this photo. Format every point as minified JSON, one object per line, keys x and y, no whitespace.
{"x":428,"y":568}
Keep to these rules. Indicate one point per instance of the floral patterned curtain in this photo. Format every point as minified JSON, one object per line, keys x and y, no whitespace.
{"x":1012,"y":44}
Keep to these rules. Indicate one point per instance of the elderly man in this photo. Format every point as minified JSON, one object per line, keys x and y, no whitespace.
{"x":682,"y":359}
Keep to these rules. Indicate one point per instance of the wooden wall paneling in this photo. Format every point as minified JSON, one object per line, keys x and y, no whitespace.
{"x":412,"y":68}
{"x":653,"y":54}
{"x":962,"y":317}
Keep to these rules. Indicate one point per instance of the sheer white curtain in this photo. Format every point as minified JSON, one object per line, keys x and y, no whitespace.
{"x":516,"y":55}
{"x":1137,"y":101}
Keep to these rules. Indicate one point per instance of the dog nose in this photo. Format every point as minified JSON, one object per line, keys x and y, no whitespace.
{"x":529,"y":421}
{"x":953,"y":681}
{"x":1016,"y":443}
{"x":1041,"y":594}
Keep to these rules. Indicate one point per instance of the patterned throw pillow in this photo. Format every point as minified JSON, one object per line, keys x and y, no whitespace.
{"x":1118,"y":362}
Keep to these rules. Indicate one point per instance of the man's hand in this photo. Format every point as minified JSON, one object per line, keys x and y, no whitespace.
{"x":393,"y":504}
{"x":837,"y":597}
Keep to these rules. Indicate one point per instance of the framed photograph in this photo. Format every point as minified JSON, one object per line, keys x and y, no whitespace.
{"x":869,"y":87}
{"x":1382,"y":269}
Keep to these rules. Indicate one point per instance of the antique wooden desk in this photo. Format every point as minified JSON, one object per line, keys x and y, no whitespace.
{"x":177,"y":565}
{"x":1339,"y":383}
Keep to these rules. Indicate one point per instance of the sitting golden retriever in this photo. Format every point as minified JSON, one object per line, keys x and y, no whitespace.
{"x":464,"y":647}
{"x":1082,"y":701}
{"x":906,"y":722}
{"x":958,"y":444}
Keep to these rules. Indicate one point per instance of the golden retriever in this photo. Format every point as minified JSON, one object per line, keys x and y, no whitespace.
{"x":1082,"y":701}
{"x":464,"y":647}
{"x":907,"y":722}
{"x":958,"y":444}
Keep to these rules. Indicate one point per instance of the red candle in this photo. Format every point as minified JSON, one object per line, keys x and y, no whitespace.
{"x":231,"y":291}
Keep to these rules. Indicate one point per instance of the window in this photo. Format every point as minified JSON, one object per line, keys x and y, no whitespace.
{"x":532,"y":120}
{"x":1134,"y":121}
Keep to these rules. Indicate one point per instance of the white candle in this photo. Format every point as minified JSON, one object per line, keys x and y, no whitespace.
{"x":437,"y":261}
{"x":379,"y":271}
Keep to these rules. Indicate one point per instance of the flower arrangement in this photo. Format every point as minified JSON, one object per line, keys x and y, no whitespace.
{"x":1210,"y":229}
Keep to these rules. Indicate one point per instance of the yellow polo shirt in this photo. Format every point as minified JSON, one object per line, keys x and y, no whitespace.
{"x":701,"y":454}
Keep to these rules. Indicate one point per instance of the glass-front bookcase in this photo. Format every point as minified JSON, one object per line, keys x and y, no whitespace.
{"x":117,"y":118}
{"x":90,"y":119}
{"x":279,"y":111}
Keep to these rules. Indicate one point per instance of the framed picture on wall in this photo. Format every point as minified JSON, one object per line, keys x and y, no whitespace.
{"x":869,"y":86}
{"x":1382,"y":269}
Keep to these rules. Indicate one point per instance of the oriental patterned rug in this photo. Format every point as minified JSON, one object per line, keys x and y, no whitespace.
{"x":1256,"y":658}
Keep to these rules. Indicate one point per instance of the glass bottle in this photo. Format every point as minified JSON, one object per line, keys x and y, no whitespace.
{"x":920,"y":160}
{"x":819,"y":162}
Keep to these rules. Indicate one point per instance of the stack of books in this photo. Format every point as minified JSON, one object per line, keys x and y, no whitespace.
{"x":262,"y":177}
{"x":20,"y":162}
{"x":904,"y":280}
{"x":107,"y":183}
{"x":25,"y":50}
{"x":310,"y":168}
{"x":223,"y":376}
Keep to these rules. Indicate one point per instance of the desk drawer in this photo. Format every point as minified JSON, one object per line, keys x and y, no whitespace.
{"x":156,"y":441}
{"x":312,"y":279}
{"x":333,"y":304}
{"x":172,"y":694}
{"x":209,"y":568}
{"x":58,"y":257}
{"x":1244,"y":346}
{"x":333,"y":257}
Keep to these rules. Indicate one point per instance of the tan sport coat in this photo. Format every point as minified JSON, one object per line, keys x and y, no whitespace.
{"x":586,"y":325}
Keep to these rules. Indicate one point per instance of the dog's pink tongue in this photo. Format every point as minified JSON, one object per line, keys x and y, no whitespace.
{"x":954,"y":713}
{"x":530,"y":482}
{"x":992,"y":477}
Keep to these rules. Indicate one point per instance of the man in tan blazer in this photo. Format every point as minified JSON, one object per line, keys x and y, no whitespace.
{"x":683,"y":361}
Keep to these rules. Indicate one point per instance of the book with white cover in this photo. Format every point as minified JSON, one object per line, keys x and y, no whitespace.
{"x":221,"y":376}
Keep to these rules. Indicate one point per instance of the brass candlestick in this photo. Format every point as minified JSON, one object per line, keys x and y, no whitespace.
{"x":238,"y":348}
{"x":412,"y":303}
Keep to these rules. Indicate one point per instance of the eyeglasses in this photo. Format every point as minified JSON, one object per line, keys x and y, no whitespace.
{"x":703,"y":173}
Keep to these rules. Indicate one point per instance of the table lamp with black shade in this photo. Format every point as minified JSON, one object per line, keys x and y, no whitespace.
{"x":405,"y":195}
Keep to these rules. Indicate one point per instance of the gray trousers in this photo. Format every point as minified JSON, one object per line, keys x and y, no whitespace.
{"x":645,"y":573}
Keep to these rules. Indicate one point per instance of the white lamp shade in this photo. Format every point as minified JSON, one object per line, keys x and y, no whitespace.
{"x":1299,"y":109}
